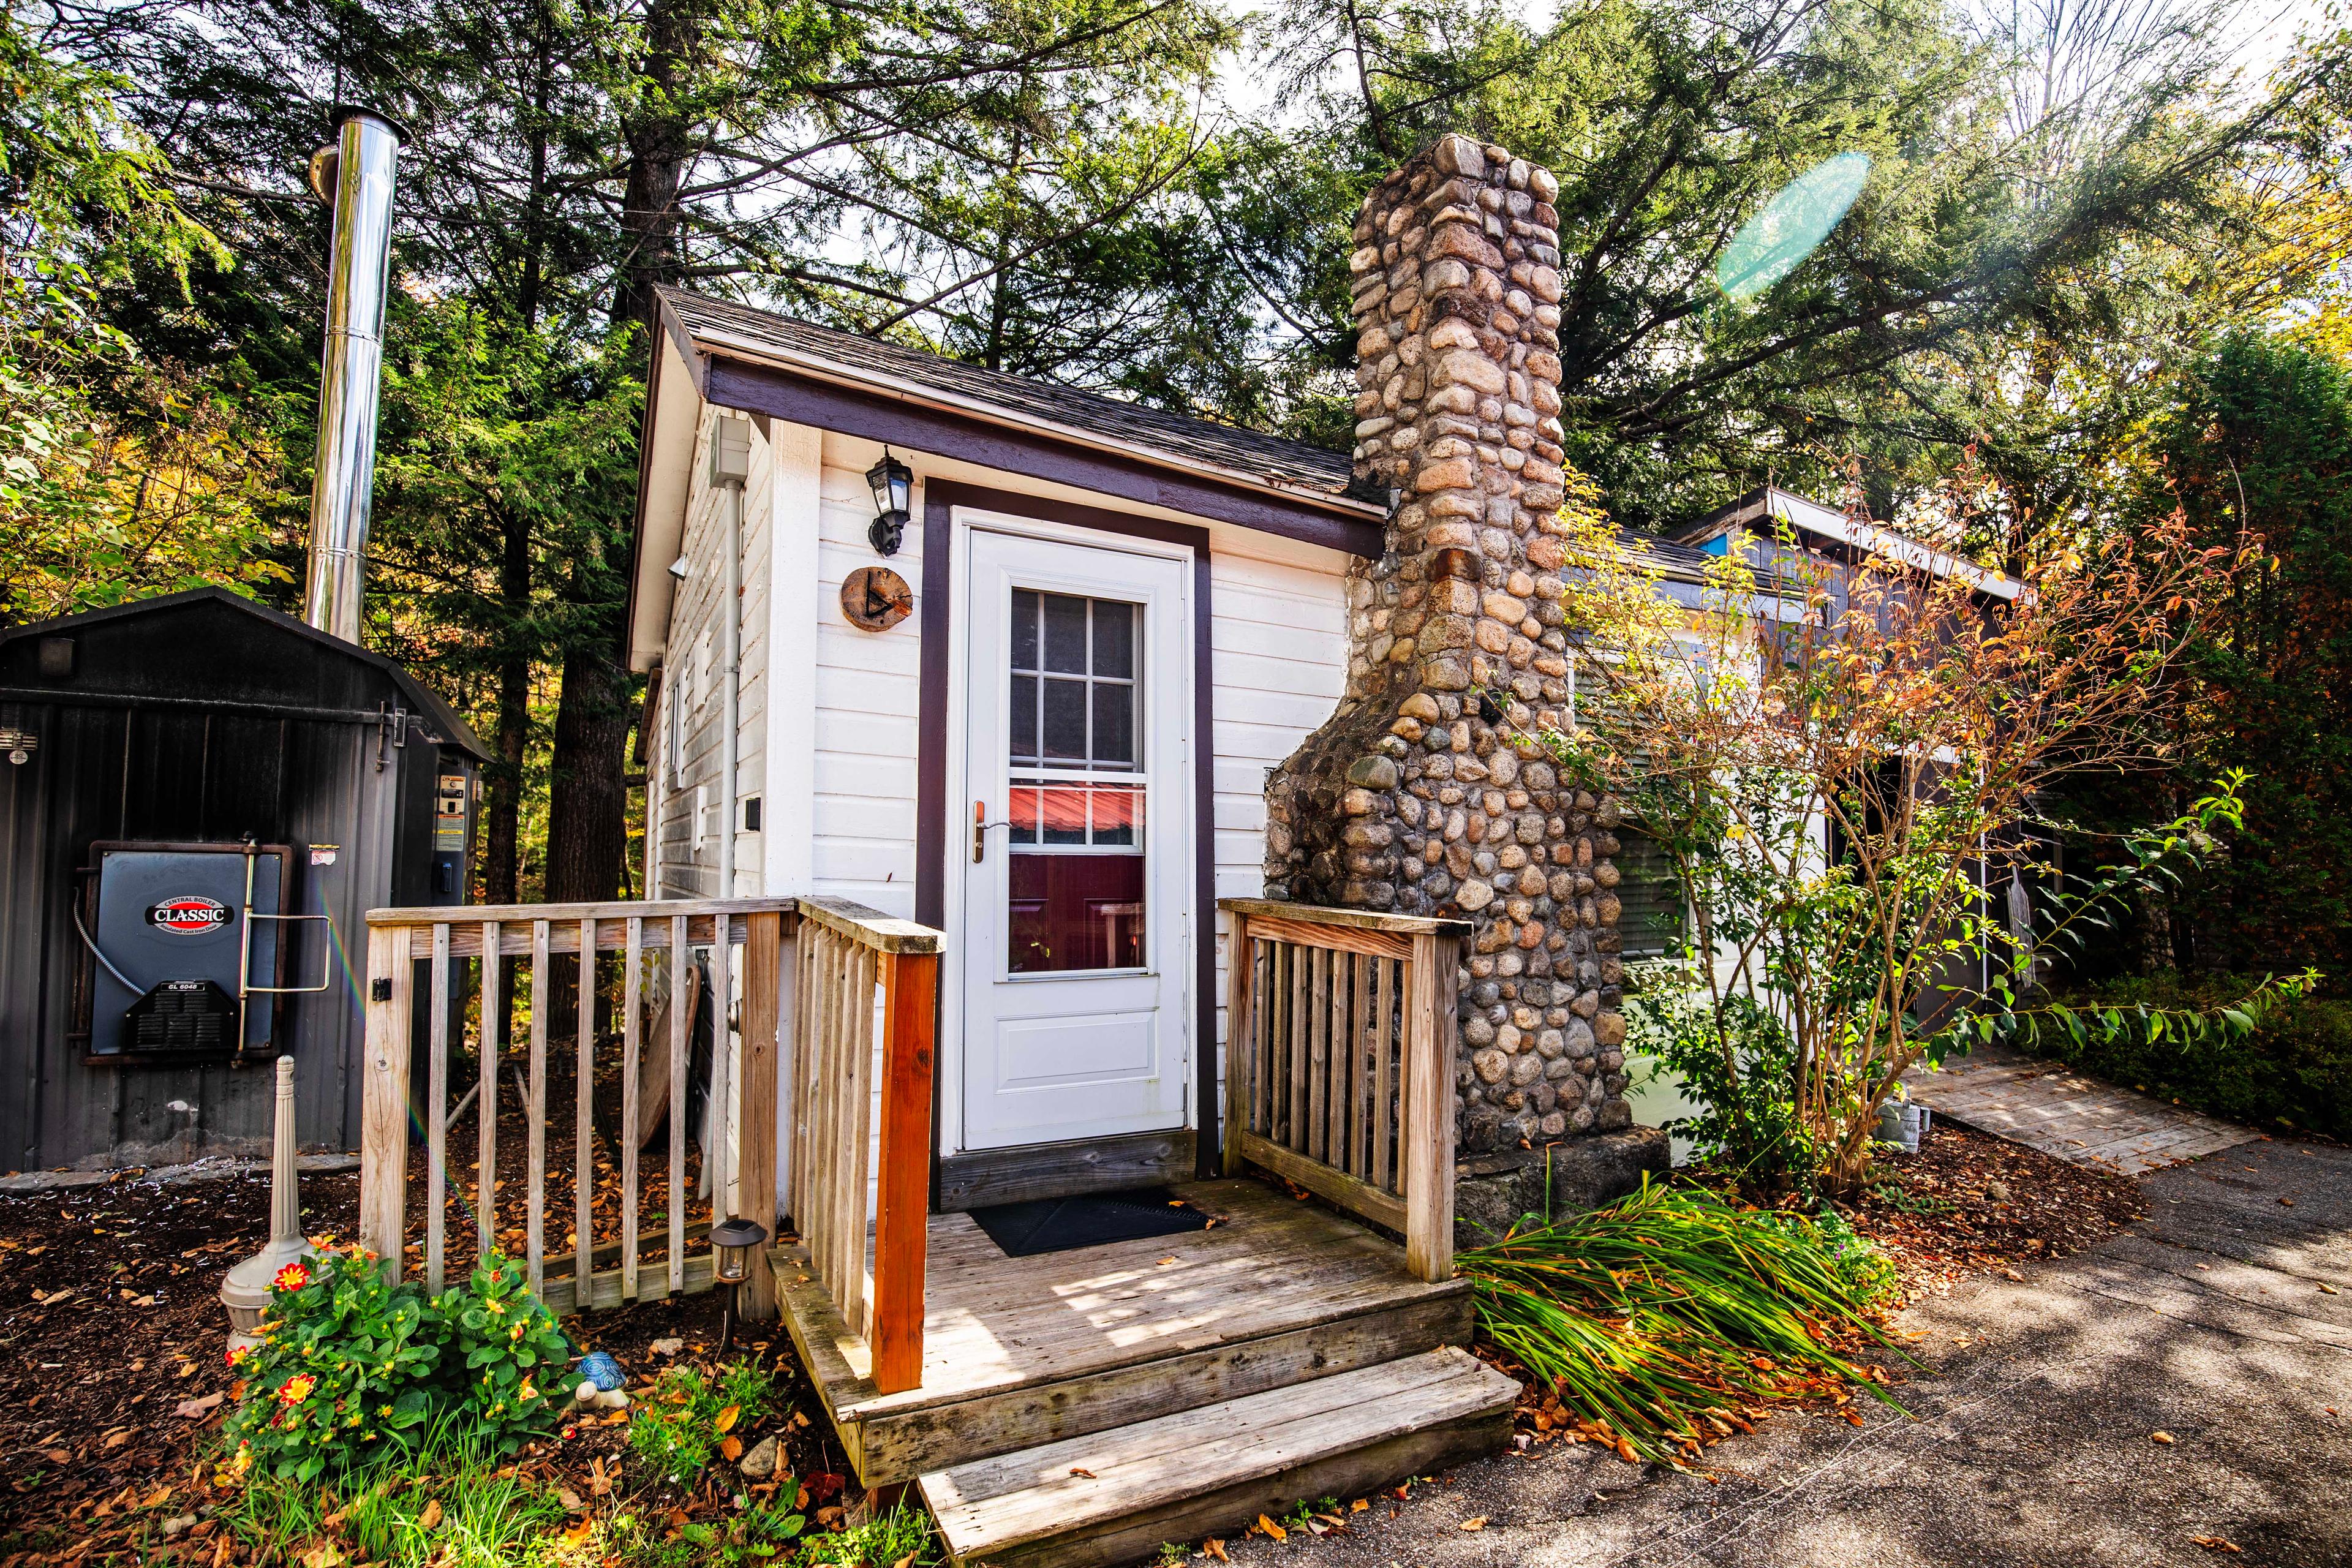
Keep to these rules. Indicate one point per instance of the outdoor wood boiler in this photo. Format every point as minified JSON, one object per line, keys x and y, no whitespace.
{"x":201,"y":797}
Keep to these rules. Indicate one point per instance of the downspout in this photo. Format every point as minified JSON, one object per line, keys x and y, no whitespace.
{"x":355,"y":174}
{"x":731,"y":466}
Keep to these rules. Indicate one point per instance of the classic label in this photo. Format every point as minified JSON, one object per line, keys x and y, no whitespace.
{"x":189,"y":916}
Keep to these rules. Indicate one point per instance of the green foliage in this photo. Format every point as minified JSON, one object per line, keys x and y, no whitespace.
{"x":2293,"y":1067}
{"x":1649,"y":1314}
{"x":1738,"y":1064}
{"x":353,"y":1367}
{"x":677,"y":1427}
{"x":118,"y":475}
{"x":763,"y":1532}
{"x":446,"y":1503}
{"x":2262,"y":439}
{"x":900,"y":1533}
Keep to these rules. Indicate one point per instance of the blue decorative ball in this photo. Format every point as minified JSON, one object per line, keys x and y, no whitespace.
{"x":601,"y":1370}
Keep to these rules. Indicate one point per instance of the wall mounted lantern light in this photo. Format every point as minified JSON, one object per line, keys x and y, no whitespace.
{"x":893,"y":484}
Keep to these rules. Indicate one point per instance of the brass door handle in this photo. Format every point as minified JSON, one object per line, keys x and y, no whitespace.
{"x":980,"y":827}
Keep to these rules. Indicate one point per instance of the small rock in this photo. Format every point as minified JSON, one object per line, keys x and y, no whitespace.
{"x":667,"y":1347}
{"x":761,"y":1462}
{"x":179,"y":1524}
{"x":1997,"y":1190}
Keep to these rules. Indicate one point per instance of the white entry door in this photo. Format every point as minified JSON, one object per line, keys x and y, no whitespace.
{"x":1078,"y":831}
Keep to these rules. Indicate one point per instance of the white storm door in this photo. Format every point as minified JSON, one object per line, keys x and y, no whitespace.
{"x":1077,"y":834}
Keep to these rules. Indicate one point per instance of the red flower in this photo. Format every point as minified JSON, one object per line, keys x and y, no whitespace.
{"x":293,"y":1276}
{"x":296,"y":1389}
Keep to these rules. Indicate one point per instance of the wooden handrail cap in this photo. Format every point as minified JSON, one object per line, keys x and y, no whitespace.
{"x":1360,"y":919}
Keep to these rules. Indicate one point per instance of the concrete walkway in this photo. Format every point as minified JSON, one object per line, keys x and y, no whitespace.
{"x":2048,"y":1106}
{"x":2030,"y":1440}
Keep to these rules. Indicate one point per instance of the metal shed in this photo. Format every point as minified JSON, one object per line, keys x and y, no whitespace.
{"x":203,"y":724}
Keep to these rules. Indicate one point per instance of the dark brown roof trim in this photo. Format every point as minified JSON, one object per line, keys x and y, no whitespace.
{"x":852,"y":411}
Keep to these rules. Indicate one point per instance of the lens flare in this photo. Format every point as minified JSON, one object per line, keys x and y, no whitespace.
{"x":1792,"y":225}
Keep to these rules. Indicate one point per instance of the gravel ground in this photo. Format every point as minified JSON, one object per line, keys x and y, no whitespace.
{"x":2031,"y":1437}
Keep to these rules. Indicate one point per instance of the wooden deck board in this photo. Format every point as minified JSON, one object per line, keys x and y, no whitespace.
{"x":1103,"y":1498}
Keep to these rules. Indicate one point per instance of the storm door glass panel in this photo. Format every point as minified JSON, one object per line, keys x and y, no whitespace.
{"x":1075,"y":885}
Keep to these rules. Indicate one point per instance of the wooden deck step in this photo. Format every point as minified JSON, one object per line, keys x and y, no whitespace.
{"x":1019,"y":1352}
{"x":1114,"y":1497}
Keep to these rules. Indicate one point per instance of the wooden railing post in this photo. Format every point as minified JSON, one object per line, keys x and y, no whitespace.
{"x":1241,"y":1036}
{"x":910,"y":984}
{"x":1428,"y":1120}
{"x":755,"y":1166}
{"x":384,"y":1105}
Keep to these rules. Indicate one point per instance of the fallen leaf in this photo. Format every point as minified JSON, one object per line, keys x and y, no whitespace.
{"x":326,"y":1554}
{"x":570,"y":1499}
{"x":116,"y":1439}
{"x":2217,"y":1543}
{"x":727,"y":1419}
{"x":197,"y":1409}
{"x":431,"y":1517}
{"x":2328,"y":1289}
{"x":1358,"y":1506}
{"x":1478,"y":1523}
{"x":2286,"y":1202}
{"x":1078,"y":1470}
{"x":2163,"y":1438}
{"x":1274,"y":1532}
{"x":1625,"y":1452}
{"x":730,"y":1448}
{"x":57,"y":1455}
{"x":1215,"y":1548}
{"x":579,"y":1531}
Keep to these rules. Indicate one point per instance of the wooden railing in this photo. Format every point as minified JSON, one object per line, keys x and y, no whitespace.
{"x":439,"y":953}
{"x":1339,"y":1050}
{"x":853,"y":967}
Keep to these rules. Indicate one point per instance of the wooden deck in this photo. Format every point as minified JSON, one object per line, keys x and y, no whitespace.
{"x":1187,"y":1381}
{"x":1021,"y":1352}
{"x":2048,"y":1106}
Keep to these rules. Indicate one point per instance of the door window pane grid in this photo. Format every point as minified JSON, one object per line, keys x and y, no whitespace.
{"x":1074,"y":670}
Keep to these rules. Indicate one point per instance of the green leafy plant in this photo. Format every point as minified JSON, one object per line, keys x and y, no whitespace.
{"x":763,"y":1533}
{"x":1672,"y":1306}
{"x":509,"y":1346}
{"x":351,"y":1366}
{"x":448,"y":1501}
{"x":1738,"y":1064}
{"x":688,"y":1418}
{"x":900,"y":1534}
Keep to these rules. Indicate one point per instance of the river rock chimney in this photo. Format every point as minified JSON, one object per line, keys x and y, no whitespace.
{"x":1424,"y":793}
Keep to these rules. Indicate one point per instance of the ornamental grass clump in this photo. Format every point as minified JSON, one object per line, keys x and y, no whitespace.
{"x":1653,"y":1321}
{"x":352,"y":1366}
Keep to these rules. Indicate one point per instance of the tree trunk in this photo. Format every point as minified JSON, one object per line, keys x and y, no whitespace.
{"x":588,"y":794}
{"x":502,"y":855}
{"x":660,"y":143}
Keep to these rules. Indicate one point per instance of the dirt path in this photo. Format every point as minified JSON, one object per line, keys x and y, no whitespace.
{"x":2032,"y":1442}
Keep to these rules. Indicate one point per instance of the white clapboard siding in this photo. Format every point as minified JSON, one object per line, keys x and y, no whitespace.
{"x":692,"y":813}
{"x":1278,"y":659}
{"x":867,"y":713}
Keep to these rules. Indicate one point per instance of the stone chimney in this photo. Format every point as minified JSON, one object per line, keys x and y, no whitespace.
{"x":1425,"y":793}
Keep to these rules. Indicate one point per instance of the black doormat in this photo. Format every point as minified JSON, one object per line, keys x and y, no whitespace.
{"x":1065,"y":1225}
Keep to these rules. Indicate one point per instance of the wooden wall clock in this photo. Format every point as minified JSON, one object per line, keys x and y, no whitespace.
{"x":876,"y":598}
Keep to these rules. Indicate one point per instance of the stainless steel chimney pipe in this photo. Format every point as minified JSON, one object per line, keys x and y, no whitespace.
{"x":356,"y":174}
